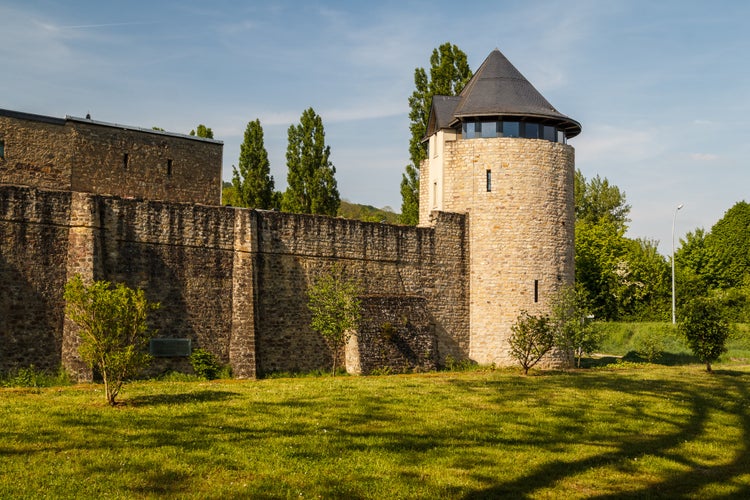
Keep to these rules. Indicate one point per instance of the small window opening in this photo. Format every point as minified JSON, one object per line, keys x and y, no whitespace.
{"x":536,"y":290}
{"x":169,"y":167}
{"x":489,"y":180}
{"x":124,"y":161}
{"x":434,"y":195}
{"x":2,"y":149}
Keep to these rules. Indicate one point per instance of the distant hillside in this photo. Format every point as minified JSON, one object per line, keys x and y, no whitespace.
{"x":367,"y":213}
{"x":348,"y":210}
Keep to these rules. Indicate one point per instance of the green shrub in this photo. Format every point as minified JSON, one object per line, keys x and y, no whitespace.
{"x":205,"y":364}
{"x":32,"y":377}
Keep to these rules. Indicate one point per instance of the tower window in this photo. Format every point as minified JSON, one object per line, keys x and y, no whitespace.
{"x":511,"y":129}
{"x":169,"y":167}
{"x":531,"y":130}
{"x":434,"y":195}
{"x":536,"y":290}
{"x":125,"y":161}
{"x":2,"y":149}
{"x":489,"y":180}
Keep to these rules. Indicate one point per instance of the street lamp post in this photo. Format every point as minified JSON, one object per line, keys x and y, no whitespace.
{"x":674,"y":319}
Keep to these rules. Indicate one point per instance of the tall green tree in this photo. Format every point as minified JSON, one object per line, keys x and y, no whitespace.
{"x":449,"y":72}
{"x":730,"y":240}
{"x":597,"y":200}
{"x":252,"y":180}
{"x":311,"y":181}
{"x":622,"y":278}
{"x":202,"y":131}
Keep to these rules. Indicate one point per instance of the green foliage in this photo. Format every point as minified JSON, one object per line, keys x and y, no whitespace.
{"x":596,"y":201}
{"x":367,"y":213}
{"x":335,"y":307}
{"x":112,"y":328}
{"x":650,"y":346}
{"x":459,"y":365}
{"x":202,"y":131}
{"x":205,"y":364}
{"x":449,"y":72}
{"x":252,"y":181}
{"x":617,"y":432}
{"x":622,"y":278}
{"x":410,"y":196}
{"x":532,"y":337}
{"x":311,"y":182}
{"x":705,"y":328}
{"x":574,"y":331}
{"x":33,"y":377}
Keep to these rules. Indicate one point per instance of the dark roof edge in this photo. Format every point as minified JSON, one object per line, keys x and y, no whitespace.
{"x":89,"y":121}
{"x":19,"y":115}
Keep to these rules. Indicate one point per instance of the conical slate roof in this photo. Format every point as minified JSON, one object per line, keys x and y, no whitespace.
{"x":499,"y":89}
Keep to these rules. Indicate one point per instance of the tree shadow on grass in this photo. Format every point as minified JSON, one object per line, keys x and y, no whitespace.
{"x":693,"y":475}
{"x":183,"y":398}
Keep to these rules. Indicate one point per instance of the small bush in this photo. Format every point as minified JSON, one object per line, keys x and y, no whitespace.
{"x":650,"y":345}
{"x":205,"y":364}
{"x":459,"y":365}
{"x":33,"y":377}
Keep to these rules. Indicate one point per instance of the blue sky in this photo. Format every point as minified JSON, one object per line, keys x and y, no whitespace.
{"x":661,"y":88}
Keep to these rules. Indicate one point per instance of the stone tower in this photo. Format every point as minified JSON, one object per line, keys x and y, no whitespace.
{"x":498,"y":152}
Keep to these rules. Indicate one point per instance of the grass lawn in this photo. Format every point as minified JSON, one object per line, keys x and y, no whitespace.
{"x":630,"y":431}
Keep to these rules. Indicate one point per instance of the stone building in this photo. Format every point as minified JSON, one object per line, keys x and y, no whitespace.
{"x":138,"y":206}
{"x":84,"y":155}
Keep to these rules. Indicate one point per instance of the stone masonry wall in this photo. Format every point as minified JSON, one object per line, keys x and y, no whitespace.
{"x":35,"y":152}
{"x":33,"y":252}
{"x":521,"y":232}
{"x":158,"y":166}
{"x":232,"y":280}
{"x":396,"y":333}
{"x":93,"y":157}
{"x":387,"y":260}
{"x":182,"y":256}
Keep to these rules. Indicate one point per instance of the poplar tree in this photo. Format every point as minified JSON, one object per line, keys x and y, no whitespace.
{"x":311,"y":182}
{"x":252,"y":180}
{"x":449,"y":72}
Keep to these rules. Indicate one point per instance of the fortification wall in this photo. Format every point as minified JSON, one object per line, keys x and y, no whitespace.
{"x":387,"y":260}
{"x":33,"y":252}
{"x":521,"y":230}
{"x":232,"y":280}
{"x":35,"y":151}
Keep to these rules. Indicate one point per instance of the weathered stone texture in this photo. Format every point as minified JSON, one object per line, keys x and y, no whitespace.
{"x":95,"y":157}
{"x":387,"y":260}
{"x":395,"y":334}
{"x":232,"y":280}
{"x":158,"y":166}
{"x":33,"y":251}
{"x":36,"y":153}
{"x":521,"y":232}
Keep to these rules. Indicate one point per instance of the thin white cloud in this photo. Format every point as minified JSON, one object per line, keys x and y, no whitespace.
{"x":704,"y":157}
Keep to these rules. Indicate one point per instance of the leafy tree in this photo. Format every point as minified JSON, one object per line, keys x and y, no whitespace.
{"x":449,"y":72}
{"x":596,"y":200}
{"x":730,"y":240}
{"x":203,"y":131}
{"x":644,"y":282}
{"x":158,"y":129}
{"x":311,"y":182}
{"x":335,"y":307}
{"x":113,"y":330}
{"x":705,"y":328}
{"x":252,"y":181}
{"x":531,"y":338}
{"x":574,"y":332}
